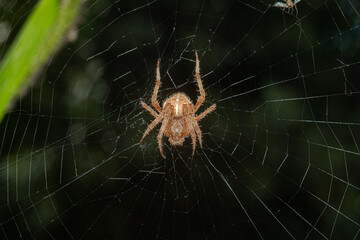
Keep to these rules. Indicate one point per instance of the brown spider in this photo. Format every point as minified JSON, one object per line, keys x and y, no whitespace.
{"x":288,"y":5}
{"x":178,"y":114}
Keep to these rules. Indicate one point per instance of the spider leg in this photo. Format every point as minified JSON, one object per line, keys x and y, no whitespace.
{"x":297,"y":12}
{"x":198,"y":132}
{"x":147,"y":107}
{"x":198,"y":118}
{"x":193,"y":139}
{"x":207,"y":111}
{"x":154,"y":100}
{"x":189,"y":124}
{"x":201,"y":98}
{"x":160,"y":135}
{"x":151,"y":126}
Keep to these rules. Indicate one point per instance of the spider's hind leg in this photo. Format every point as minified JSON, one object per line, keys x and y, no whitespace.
{"x":193,"y":141}
{"x":151,"y":126}
{"x":198,"y":132}
{"x":149,"y":109}
{"x":190,"y":126}
{"x":160,"y":135}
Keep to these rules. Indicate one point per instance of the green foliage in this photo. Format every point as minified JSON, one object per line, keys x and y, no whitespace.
{"x":38,"y":39}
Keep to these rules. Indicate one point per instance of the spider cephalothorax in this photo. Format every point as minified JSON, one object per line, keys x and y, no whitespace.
{"x":178,"y":114}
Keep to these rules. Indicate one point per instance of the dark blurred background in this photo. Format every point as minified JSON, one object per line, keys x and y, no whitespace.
{"x":281,"y":154}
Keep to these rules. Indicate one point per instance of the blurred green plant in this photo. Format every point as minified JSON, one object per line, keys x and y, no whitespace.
{"x":41,"y":35}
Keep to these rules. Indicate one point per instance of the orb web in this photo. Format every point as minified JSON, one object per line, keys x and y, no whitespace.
{"x":280,"y":153}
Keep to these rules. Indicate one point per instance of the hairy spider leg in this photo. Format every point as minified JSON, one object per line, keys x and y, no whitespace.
{"x":161,"y":133}
{"x":201,"y":98}
{"x":192,"y":133}
{"x":204,"y":113}
{"x":151,"y":126}
{"x":189,"y":124}
{"x":198,"y":132}
{"x":154,"y":100}
{"x":149,"y":109}
{"x":167,"y":115}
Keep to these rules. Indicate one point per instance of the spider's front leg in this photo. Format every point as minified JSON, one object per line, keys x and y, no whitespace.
{"x":201,"y":98}
{"x":154,"y":100}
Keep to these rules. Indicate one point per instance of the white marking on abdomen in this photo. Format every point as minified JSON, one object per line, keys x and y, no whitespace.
{"x":177,"y":105}
{"x":177,"y":109}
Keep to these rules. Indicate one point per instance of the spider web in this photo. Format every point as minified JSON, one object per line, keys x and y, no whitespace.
{"x":280,"y":154}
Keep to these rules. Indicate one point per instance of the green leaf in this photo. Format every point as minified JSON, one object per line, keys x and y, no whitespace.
{"x":41,"y":35}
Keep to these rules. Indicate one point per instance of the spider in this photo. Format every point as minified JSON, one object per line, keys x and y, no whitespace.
{"x":177,"y":114}
{"x":288,"y":4}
